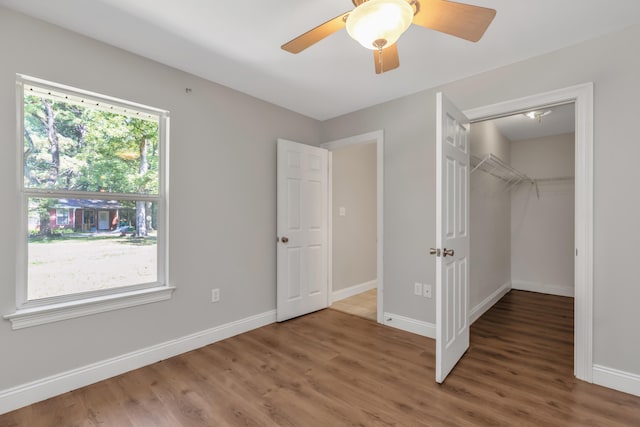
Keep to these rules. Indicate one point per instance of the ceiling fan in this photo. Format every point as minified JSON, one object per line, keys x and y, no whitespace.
{"x":377,"y":25}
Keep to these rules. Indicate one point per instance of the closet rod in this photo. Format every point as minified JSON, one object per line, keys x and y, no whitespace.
{"x":556,"y":178}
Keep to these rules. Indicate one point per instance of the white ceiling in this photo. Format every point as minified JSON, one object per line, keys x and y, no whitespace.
{"x":518,"y":127}
{"x":237,"y":43}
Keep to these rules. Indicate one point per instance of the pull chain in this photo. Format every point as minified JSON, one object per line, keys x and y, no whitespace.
{"x":380,"y":44}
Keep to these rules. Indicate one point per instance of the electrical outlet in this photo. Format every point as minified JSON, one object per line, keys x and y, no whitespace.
{"x":215,"y":295}
{"x":417,"y":288}
{"x":426,"y":290}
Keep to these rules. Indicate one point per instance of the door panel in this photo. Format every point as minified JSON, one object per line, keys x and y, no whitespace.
{"x":293,"y":193}
{"x":452,"y":225}
{"x":302,"y":285}
{"x":294,"y":274}
{"x":463,"y":212}
{"x":450,"y":197}
{"x":316,"y":259}
{"x":449,"y":286}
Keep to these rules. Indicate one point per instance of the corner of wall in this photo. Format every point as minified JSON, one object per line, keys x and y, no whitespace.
{"x":476,"y":312}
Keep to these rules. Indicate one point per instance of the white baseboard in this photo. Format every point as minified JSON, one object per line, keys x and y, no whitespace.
{"x":353,"y":290}
{"x":543,"y":288}
{"x":488,"y":302}
{"x":410,"y":325}
{"x":617,"y":380}
{"x":36,"y":391}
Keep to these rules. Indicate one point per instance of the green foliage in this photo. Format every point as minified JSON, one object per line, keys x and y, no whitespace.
{"x":97,"y":151}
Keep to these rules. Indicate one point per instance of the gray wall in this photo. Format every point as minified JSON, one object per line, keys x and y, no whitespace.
{"x":409,"y":211}
{"x":542,"y":228}
{"x":489,"y":217}
{"x":223,"y":168}
{"x":354,"y":234}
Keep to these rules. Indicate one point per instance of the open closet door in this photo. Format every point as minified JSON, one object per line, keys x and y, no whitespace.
{"x":302,"y":224}
{"x":452,"y":236}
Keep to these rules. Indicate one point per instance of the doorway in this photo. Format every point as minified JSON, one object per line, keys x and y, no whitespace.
{"x":522,"y":216}
{"x":582,"y":97}
{"x":356,"y":225}
{"x":103,"y":220}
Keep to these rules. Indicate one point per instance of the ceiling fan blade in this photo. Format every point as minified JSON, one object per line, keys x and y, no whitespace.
{"x":386,"y":59}
{"x":313,"y":36}
{"x":457,"y":19}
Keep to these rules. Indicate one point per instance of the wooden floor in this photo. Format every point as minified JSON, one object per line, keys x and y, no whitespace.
{"x":335,"y":369}
{"x":364,"y":304}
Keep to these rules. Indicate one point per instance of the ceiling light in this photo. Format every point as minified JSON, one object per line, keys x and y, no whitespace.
{"x":537,"y":115}
{"x":376,"y":24}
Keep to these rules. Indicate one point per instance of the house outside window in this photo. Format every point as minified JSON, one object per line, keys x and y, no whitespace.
{"x":93,"y":198}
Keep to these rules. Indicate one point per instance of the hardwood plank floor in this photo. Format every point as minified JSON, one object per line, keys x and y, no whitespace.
{"x":334,"y":369}
{"x":364,"y":304}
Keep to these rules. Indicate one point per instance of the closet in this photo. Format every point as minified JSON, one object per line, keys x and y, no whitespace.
{"x":522,"y":204}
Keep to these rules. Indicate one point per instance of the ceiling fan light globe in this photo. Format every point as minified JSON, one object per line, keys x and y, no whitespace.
{"x":377,"y":20}
{"x":537,"y":114}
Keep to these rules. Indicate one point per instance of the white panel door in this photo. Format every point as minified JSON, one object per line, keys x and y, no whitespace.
{"x":452,"y":236}
{"x":302,"y":285}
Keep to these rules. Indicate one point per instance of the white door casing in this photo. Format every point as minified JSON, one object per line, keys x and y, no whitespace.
{"x":301,"y":229}
{"x":582,"y":96}
{"x":452,"y":234}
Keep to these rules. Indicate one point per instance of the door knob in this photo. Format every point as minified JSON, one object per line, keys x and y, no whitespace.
{"x":448,"y":252}
{"x":285,"y":239}
{"x":434,"y":251}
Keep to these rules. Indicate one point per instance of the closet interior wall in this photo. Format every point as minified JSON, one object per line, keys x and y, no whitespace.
{"x":543,"y":218}
{"x":490,"y":218}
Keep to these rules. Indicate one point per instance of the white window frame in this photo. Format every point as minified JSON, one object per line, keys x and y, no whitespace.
{"x":46,"y":310}
{"x":65,"y":218}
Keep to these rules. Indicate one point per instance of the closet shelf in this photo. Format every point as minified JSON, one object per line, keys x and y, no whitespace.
{"x":496,"y":167}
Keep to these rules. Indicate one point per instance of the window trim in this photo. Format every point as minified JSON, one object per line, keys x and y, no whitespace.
{"x":36,"y":312}
{"x":54,"y":312}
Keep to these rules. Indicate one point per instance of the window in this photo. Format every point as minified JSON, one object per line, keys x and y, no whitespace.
{"x":62,"y":217}
{"x":93,"y":201}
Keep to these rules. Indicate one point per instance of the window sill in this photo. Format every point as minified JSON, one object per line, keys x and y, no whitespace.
{"x":24,"y":318}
